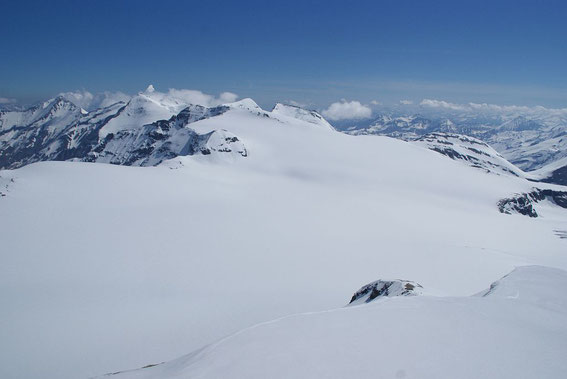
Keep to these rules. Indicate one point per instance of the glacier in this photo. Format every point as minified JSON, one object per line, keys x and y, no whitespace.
{"x":234,"y":215}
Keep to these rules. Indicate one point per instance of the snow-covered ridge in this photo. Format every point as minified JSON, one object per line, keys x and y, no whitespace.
{"x":116,"y":134}
{"x":142,"y":255}
{"x":246,"y":104}
{"x":166,"y":139}
{"x":51,"y":112}
{"x":55,"y":131}
{"x":403,"y":127}
{"x":469,"y":150}
{"x":407,"y":336}
{"x":528,"y":138}
{"x":540,"y":286}
{"x":146,"y":130}
{"x":298,"y":113}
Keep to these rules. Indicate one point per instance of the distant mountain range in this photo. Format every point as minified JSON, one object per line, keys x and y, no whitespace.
{"x":532,"y":141}
{"x":144,"y":131}
{"x":138,"y":228}
{"x":150,"y":127}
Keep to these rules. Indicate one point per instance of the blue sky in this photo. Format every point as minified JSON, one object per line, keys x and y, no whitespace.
{"x":313,"y":52}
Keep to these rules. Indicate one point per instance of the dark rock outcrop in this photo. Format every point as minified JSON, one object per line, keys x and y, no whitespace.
{"x":385,"y":288}
{"x":524,"y":203}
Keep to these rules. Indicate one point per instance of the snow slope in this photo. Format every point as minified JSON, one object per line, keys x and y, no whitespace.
{"x":516,"y":329}
{"x":470,"y":151}
{"x":530,"y":138}
{"x":298,"y":113}
{"x":107,"y":267}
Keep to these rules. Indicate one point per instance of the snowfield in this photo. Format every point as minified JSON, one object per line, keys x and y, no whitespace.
{"x":106,"y":267}
{"x":515,"y":330}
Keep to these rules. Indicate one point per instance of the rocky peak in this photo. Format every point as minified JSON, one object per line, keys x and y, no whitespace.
{"x":385,"y":288}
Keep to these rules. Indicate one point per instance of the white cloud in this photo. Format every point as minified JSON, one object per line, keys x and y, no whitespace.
{"x":190,"y":96}
{"x":441,"y":104}
{"x":6,"y":100}
{"x":484,"y":107}
{"x":406,"y":102}
{"x":375,"y":102}
{"x":228,"y":97}
{"x":89,"y":101}
{"x":344,"y":110}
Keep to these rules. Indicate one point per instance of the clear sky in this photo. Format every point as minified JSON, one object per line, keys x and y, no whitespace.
{"x":315,"y":52}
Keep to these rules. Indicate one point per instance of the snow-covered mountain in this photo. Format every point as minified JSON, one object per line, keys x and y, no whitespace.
{"x":148,"y":129}
{"x":529,"y":138}
{"x":122,"y":133}
{"x":514,"y":329}
{"x":152,"y":127}
{"x":73,"y":125}
{"x":403,"y":127}
{"x":469,"y":150}
{"x":245,"y":215}
{"x":298,"y":113}
{"x":54,"y":130}
{"x":132,"y":131}
{"x":153,"y":143}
